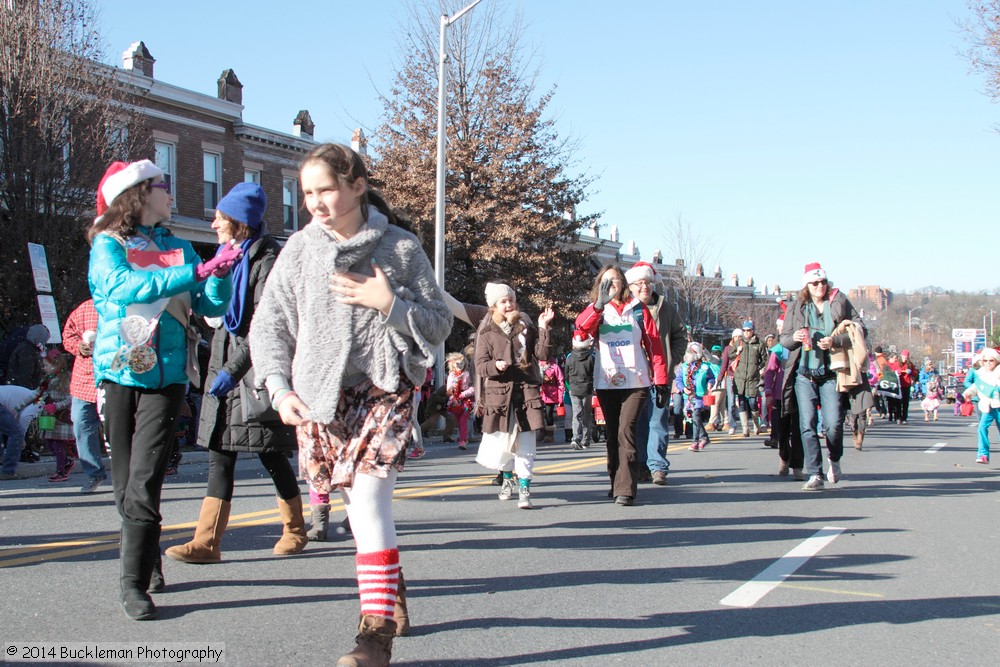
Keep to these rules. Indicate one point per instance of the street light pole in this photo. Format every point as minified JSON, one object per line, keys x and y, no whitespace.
{"x":441,"y":166}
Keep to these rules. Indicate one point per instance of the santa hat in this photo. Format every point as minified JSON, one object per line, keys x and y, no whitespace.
{"x":497,"y":291}
{"x":990,"y":353}
{"x":813,"y":272}
{"x":121,"y":176}
{"x":640,"y":271}
{"x":582,"y":340}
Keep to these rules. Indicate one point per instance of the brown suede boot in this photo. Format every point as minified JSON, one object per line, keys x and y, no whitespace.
{"x":293,"y":538}
{"x":400,"y":613}
{"x":206,"y":547}
{"x":374,"y":647}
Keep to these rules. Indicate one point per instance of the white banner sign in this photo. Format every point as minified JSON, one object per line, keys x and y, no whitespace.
{"x":39,"y":267}
{"x":47,"y":309}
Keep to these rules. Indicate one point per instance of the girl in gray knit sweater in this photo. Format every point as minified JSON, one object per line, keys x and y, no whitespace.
{"x":349,"y":322}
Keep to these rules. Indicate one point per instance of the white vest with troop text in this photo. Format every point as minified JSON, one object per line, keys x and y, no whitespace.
{"x":621,"y":359}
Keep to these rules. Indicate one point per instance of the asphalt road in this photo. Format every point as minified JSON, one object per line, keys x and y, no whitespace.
{"x":895,"y":565}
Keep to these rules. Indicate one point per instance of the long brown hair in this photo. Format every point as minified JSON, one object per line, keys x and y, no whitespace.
{"x":595,"y":288}
{"x":346,"y":164}
{"x":124,"y":214}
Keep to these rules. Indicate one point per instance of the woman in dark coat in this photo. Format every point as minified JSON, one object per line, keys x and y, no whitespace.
{"x":234,"y":418}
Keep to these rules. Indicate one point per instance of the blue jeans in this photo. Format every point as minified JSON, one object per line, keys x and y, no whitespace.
{"x":87,"y":431}
{"x":651,"y":430}
{"x":583,"y":419}
{"x":807,"y":393}
{"x":733,"y":403}
{"x":15,"y":440}
{"x":987,"y":418}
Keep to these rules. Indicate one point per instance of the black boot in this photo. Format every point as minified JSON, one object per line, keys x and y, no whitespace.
{"x":157,"y":584}
{"x":140,"y":547}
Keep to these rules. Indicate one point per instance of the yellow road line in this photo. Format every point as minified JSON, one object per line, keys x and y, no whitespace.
{"x":836,"y":591}
{"x":109,"y":541}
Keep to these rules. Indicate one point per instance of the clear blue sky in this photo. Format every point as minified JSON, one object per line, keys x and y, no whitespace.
{"x":849,"y":133}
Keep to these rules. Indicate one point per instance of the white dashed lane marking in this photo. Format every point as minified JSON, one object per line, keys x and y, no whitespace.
{"x":936,"y":448}
{"x":751,"y":592}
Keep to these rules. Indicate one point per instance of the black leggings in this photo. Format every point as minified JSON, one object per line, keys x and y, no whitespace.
{"x":222,"y":474}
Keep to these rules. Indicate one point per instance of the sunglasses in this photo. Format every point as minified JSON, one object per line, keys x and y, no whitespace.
{"x":161,"y":186}
{"x":817,"y":283}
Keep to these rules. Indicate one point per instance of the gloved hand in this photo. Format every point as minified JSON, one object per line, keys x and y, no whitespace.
{"x":604,"y":294}
{"x":219,"y":265}
{"x":224,"y":383}
{"x":662,"y":395}
{"x":50,"y":409}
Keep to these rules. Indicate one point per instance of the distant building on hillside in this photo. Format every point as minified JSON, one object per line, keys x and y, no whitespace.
{"x":879,"y":296}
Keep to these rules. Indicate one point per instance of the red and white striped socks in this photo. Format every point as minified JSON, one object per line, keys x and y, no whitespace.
{"x":378,"y":577}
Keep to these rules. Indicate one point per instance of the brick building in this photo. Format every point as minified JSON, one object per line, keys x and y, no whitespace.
{"x":879,"y":296}
{"x":205,"y":148}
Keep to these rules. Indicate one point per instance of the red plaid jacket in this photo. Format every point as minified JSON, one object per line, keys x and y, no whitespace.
{"x":84,"y":318}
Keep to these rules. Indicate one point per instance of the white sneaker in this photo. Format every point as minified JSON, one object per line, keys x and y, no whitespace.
{"x":732,"y":431}
{"x":833,"y":474}
{"x":507,"y":490}
{"x":524,"y":499}
{"x":815,"y":483}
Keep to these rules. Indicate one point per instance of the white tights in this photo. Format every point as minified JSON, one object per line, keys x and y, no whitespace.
{"x":369,"y":507}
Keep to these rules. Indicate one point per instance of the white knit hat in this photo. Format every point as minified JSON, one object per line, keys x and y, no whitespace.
{"x":497,"y":291}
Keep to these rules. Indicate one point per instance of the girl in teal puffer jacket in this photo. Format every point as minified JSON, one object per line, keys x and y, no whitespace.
{"x":145,"y":283}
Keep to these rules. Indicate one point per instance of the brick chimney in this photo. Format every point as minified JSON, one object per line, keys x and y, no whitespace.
{"x":137,"y":58}
{"x":303,"y":125}
{"x":359,"y":142}
{"x":230,"y":88}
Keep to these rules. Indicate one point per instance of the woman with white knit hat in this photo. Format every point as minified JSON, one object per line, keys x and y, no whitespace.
{"x":145,"y":283}
{"x":508,"y":347}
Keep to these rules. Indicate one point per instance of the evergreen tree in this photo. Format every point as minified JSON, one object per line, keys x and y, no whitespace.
{"x":510,"y":188}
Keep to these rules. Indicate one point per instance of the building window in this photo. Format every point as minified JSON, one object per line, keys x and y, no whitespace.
{"x":290,"y":204}
{"x":165,"y":155}
{"x":212,"y":178}
{"x":251,"y":176}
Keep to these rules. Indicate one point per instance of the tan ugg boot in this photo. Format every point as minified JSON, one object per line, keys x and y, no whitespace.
{"x":745,"y":423}
{"x":206,"y":547}
{"x":374,"y":648}
{"x":293,"y":538}
{"x":400,"y":614}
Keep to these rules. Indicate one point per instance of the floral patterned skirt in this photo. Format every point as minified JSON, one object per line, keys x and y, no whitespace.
{"x":369,"y":436}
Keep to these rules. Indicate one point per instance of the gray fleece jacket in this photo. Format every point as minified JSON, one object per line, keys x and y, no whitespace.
{"x":304,"y":338}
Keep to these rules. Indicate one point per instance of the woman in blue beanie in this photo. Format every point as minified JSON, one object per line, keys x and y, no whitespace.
{"x":234,"y":417}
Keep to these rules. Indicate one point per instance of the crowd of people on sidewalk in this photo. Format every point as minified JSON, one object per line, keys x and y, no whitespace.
{"x":324,"y":347}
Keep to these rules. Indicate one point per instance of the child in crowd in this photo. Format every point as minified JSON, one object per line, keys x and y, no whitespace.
{"x":58,"y":369}
{"x":552,"y":395}
{"x":698,"y":378}
{"x":508,"y":347}
{"x":349,"y":323}
{"x":461,"y":395}
{"x":932,"y":398}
